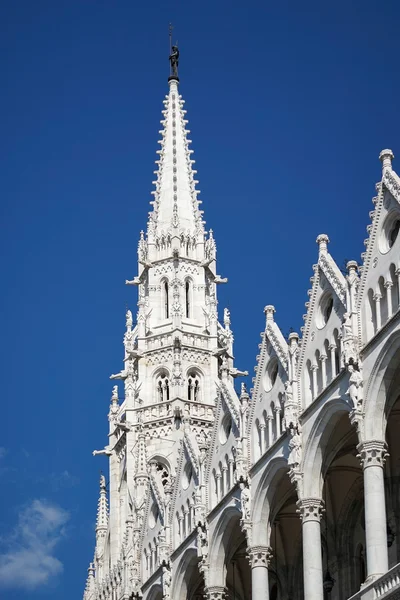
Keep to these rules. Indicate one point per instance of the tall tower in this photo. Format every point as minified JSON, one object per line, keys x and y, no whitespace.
{"x":174,"y":356}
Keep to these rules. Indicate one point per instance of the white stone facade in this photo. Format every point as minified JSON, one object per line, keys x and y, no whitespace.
{"x":289,"y":491}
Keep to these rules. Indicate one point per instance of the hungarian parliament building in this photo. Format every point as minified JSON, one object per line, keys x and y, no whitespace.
{"x":286,"y":491}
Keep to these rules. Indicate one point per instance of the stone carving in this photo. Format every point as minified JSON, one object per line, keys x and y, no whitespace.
{"x":129,"y":319}
{"x":372,"y":453}
{"x":290,"y":408}
{"x":245,"y":502}
{"x":355,"y":389}
{"x":244,"y":410}
{"x":202,"y":540}
{"x":216,"y":592}
{"x":166,"y":582}
{"x":349,"y":353}
{"x":310,"y":509}
{"x":259,"y":556}
{"x":295,"y":454}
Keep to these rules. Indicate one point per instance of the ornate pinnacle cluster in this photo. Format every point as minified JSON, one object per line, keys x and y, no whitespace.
{"x":175,"y":205}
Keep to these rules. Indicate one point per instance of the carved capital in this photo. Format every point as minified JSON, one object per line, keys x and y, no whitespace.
{"x":310,"y":509}
{"x":372,"y":453}
{"x":216,"y":592}
{"x":259,"y":556}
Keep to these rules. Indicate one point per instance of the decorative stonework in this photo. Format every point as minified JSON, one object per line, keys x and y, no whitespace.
{"x":260,"y":556}
{"x":392,"y":183}
{"x":372,"y":453}
{"x":216,"y":592}
{"x":310,"y":509}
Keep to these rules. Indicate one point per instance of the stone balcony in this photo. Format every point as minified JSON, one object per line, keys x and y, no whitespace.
{"x":387,"y":586}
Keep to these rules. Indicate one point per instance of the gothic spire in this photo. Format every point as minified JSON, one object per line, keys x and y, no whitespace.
{"x":102,"y":507}
{"x":175,"y":205}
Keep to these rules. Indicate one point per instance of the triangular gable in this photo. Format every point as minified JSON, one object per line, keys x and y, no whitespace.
{"x":327,"y":269}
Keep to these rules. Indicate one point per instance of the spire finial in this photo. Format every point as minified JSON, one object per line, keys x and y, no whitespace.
{"x":173,"y":57}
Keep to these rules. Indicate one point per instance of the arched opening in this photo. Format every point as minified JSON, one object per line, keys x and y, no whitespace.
{"x":189,"y":582}
{"x":342,"y":523}
{"x":238,"y":572}
{"x":193,"y":387}
{"x":188,"y":299}
{"x":165,"y":299}
{"x":162,"y":387}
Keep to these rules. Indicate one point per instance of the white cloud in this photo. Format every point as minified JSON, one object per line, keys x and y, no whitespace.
{"x":27,"y":560}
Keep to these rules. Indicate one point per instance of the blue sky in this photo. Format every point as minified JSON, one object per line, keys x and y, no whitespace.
{"x":289,"y":105}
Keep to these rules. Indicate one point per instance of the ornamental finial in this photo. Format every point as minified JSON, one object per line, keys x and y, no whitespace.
{"x":173,"y":57}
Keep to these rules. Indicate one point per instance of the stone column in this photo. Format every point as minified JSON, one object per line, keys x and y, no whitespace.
{"x":372,"y":455}
{"x":310,"y":510}
{"x":323,"y":360}
{"x":260,"y":557}
{"x":270,"y":435}
{"x":388,"y":286}
{"x":332,"y":348}
{"x":278,"y":422}
{"x":262,"y":438}
{"x":314,"y":369}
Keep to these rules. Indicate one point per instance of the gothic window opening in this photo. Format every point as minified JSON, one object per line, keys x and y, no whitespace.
{"x":162,"y":388}
{"x":193,"y":387}
{"x":166,"y":299}
{"x":187,"y":299}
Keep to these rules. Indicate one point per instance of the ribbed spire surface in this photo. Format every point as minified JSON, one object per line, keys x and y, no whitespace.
{"x":102,"y":508}
{"x":176,"y":208}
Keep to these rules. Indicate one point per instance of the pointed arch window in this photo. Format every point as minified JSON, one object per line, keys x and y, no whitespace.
{"x":193,"y":390}
{"x":165,"y":291}
{"x":188,"y":308}
{"x":162,"y":387}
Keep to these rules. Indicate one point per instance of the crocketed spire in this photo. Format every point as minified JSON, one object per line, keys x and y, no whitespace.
{"x":102,"y":507}
{"x":176,"y":208}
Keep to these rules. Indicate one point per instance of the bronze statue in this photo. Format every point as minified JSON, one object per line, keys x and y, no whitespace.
{"x":174,"y":60}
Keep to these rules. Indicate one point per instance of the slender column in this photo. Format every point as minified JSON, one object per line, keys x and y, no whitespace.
{"x":332,"y":348}
{"x":260,"y":557}
{"x":398,"y":288}
{"x":218,"y":478}
{"x":314,"y":369}
{"x":310,"y":510}
{"x":373,"y":455}
{"x":388,"y":286}
{"x":270,"y":437}
{"x":225,"y":479}
{"x":262,"y":438}
{"x":231,"y":463}
{"x":180,"y":528}
{"x":323,"y":370}
{"x":278,"y":422}
{"x":377,"y":298}
{"x":186,"y":522}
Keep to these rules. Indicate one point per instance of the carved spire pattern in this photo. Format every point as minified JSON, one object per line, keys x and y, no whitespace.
{"x":102,"y":508}
{"x":176,"y":207}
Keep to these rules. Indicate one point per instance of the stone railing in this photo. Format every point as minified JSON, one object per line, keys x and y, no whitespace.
{"x":386,"y":587}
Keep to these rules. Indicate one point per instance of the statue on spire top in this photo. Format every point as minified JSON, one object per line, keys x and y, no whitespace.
{"x":174,"y":60}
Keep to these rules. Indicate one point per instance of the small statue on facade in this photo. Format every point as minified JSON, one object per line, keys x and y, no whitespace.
{"x":349,"y":354}
{"x":129,"y":319}
{"x":290,"y":409}
{"x":245,"y":498}
{"x":355,"y":390}
{"x":202,"y":541}
{"x":166,"y":583}
{"x":294,"y":458}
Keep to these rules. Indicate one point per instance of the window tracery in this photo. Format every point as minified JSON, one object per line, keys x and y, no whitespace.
{"x":162,"y":387}
{"x":193,"y":388}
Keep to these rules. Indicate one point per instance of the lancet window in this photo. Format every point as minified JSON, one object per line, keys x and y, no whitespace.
{"x":162,"y":387}
{"x":165,"y":299}
{"x":188,"y":306}
{"x":193,"y":389}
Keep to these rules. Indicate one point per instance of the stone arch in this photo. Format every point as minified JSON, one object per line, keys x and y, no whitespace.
{"x":154,"y":593}
{"x":378,"y":389}
{"x":218,"y":544}
{"x":187,"y":580}
{"x":316,"y":443}
{"x":263,"y":498}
